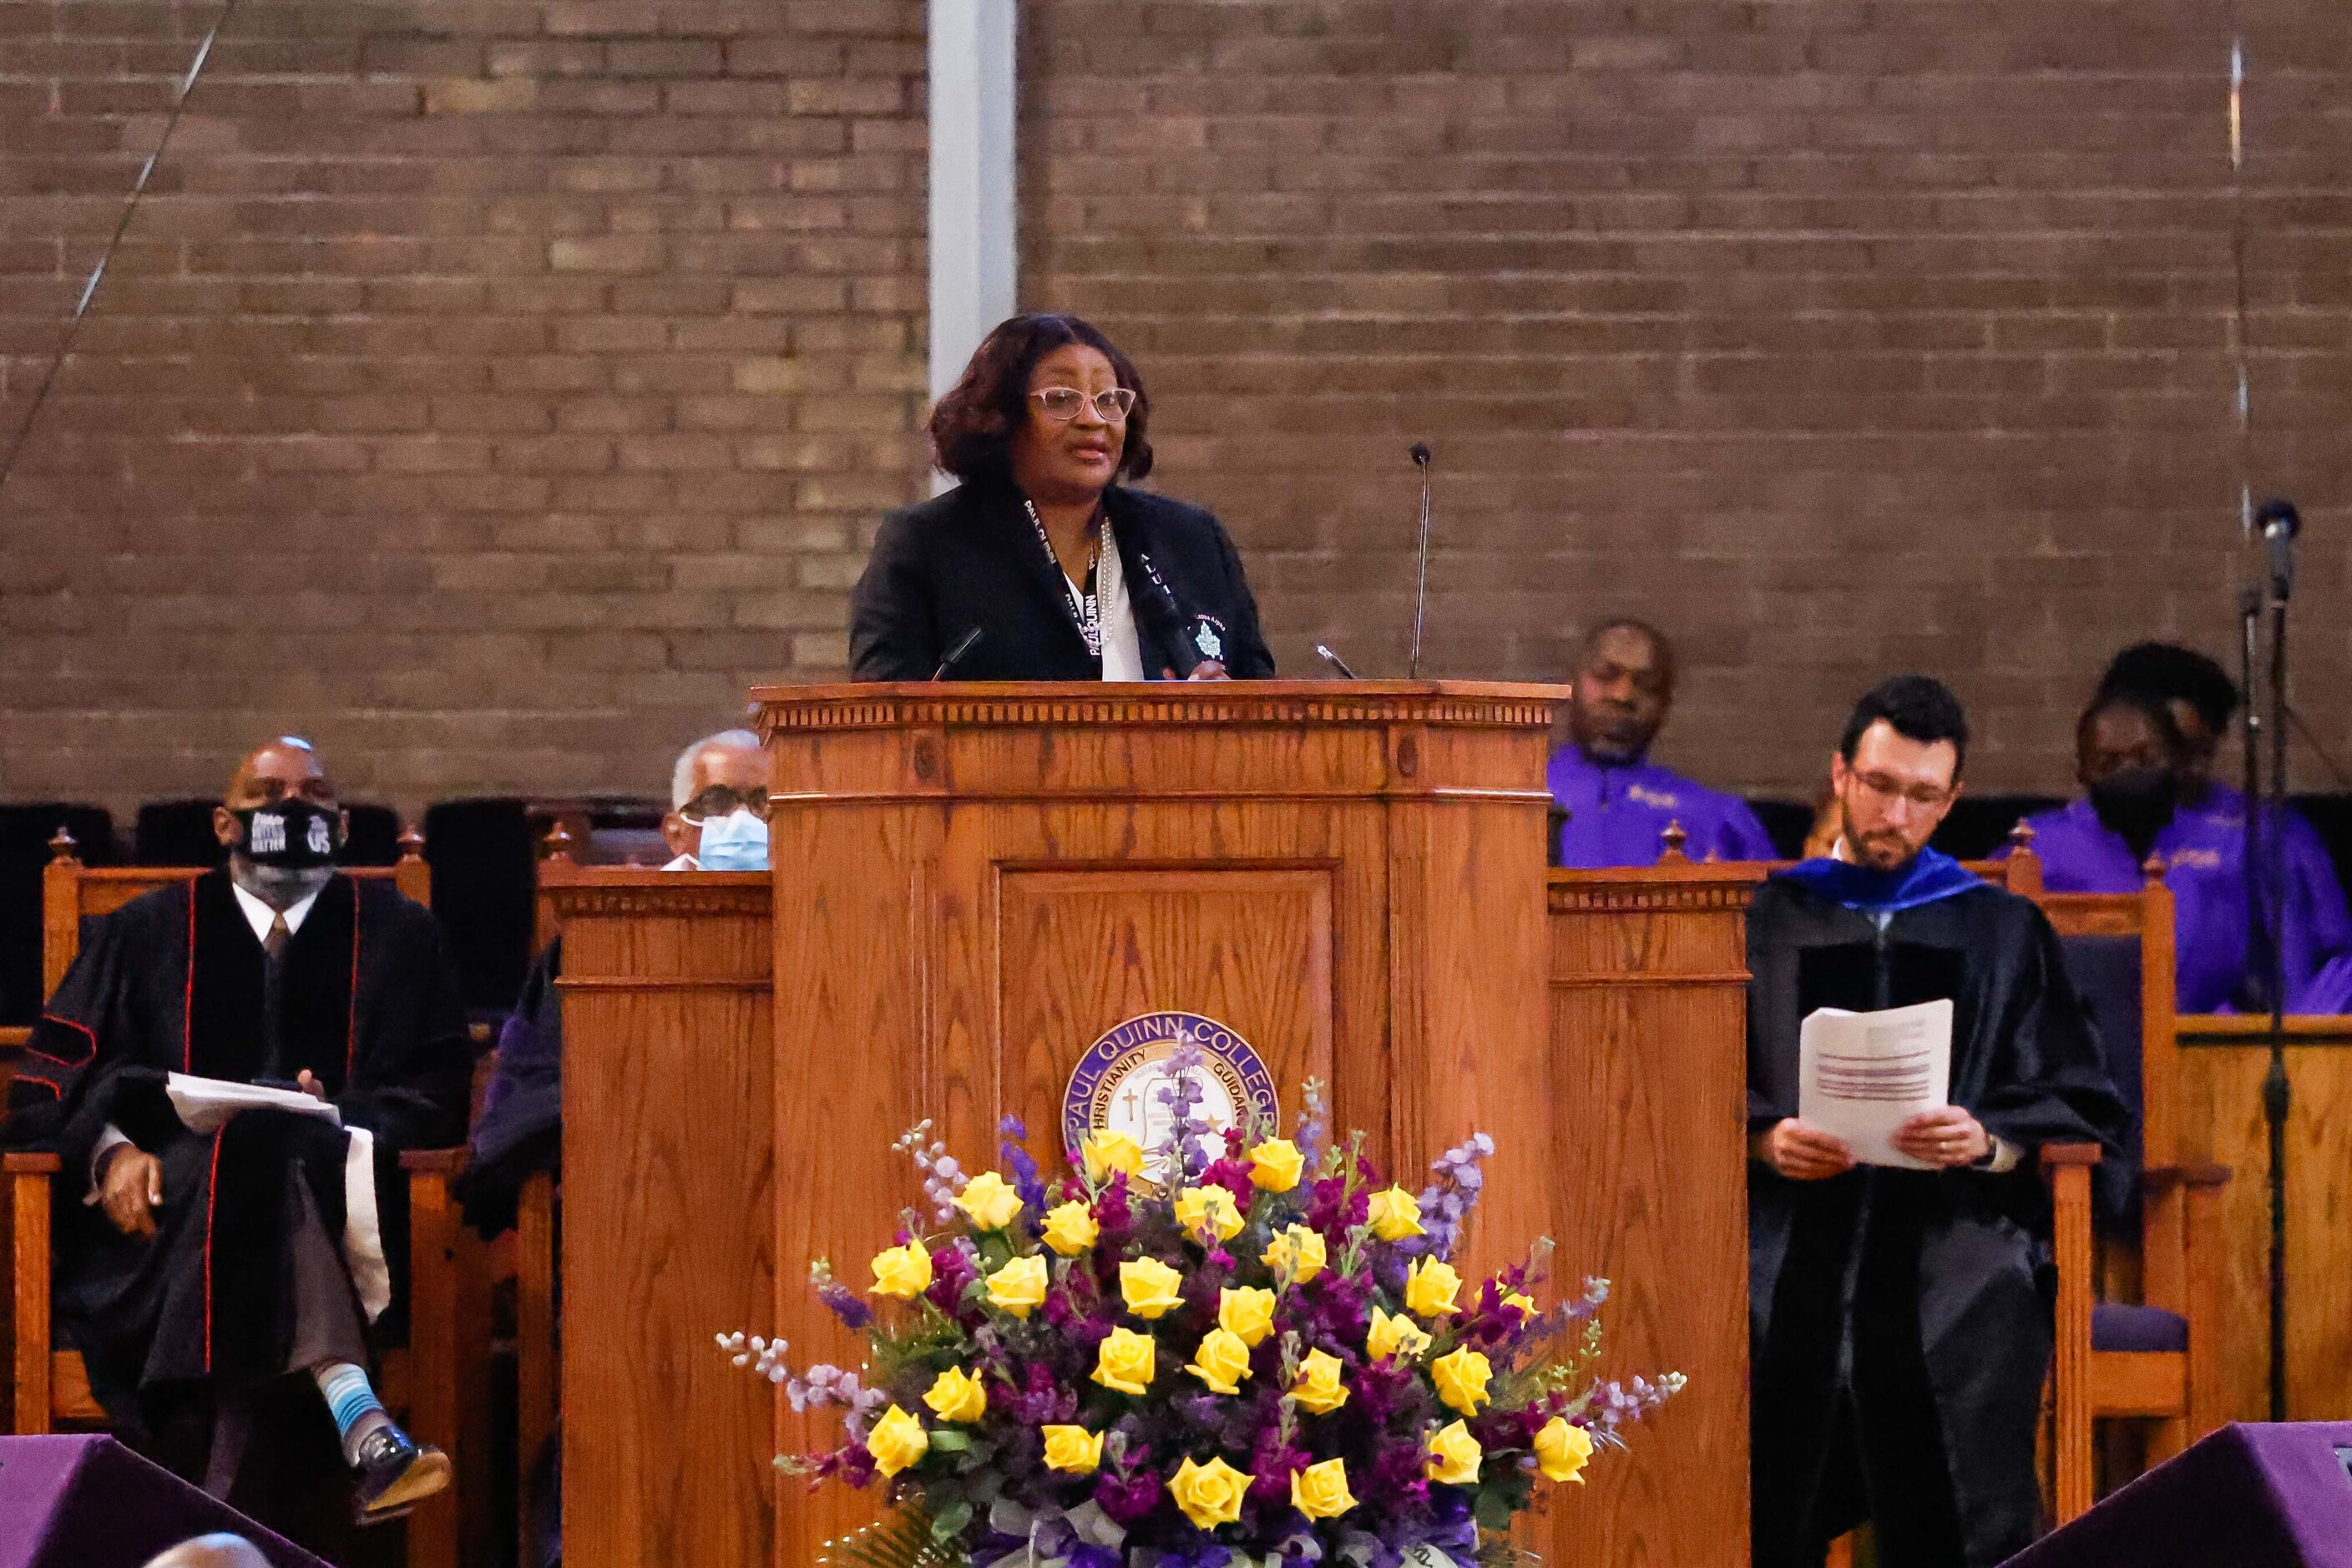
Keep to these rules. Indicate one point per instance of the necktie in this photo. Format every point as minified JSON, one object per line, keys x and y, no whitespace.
{"x":273,"y":997}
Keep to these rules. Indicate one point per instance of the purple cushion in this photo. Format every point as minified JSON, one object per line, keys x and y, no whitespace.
{"x":2119,"y":1326}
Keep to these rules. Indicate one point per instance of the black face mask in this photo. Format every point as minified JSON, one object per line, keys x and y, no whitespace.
{"x":2138,"y":804}
{"x":290,"y":835}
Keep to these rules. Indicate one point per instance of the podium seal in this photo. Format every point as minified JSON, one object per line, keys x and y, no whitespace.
{"x":1117,"y":1085}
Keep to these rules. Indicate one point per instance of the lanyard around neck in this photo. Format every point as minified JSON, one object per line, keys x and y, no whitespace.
{"x":1084,"y":606}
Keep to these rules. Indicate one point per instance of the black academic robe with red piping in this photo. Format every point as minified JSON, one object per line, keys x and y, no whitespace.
{"x":173,"y":983}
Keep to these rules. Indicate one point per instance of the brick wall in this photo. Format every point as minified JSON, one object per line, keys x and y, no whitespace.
{"x":494,"y":388}
{"x":1836,"y":336}
{"x":489,"y":389}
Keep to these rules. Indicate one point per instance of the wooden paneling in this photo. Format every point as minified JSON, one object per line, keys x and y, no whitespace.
{"x":1646,"y":1097}
{"x":970,"y":885}
{"x":2221,"y":1069}
{"x":1086,"y":950}
{"x":669,"y":1121}
{"x":973,"y":882}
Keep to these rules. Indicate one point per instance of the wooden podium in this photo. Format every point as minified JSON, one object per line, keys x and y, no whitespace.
{"x":971,"y":883}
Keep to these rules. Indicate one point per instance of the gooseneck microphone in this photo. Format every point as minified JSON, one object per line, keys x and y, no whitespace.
{"x":965,"y":645}
{"x":1323,"y":651}
{"x":1419,"y":453}
{"x":2278,"y":522}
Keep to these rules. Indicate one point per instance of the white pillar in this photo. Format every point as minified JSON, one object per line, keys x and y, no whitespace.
{"x":973,"y":219}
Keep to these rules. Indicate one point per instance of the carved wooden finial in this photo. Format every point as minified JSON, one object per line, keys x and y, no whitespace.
{"x":556,"y":846}
{"x":2024,"y":870}
{"x":2151,"y":870}
{"x":412,"y":844}
{"x":1672,"y":839}
{"x":61,"y":843}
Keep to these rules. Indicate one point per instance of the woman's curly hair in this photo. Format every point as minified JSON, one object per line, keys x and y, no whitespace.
{"x":972,"y":429}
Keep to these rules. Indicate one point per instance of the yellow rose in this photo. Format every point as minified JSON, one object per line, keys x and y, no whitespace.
{"x":1070,"y":1228}
{"x":1461,"y":1378}
{"x":1149,"y":1287}
{"x":1395,"y":1335}
{"x":1108,"y":1152}
{"x":1524,"y":1303}
{"x":1454,"y":1457}
{"x":1395,"y":1214}
{"x":1276,"y":1166}
{"x":1248,"y":1314}
{"x":1320,"y":1491}
{"x":1209,"y":1494}
{"x":1430,"y":1287}
{"x":1018,"y":1286}
{"x":896,"y":1441}
{"x":957,"y":1395}
{"x":1318,"y":1388}
{"x":1073,"y":1450}
{"x":1203,"y":1212}
{"x":1221,"y":1361}
{"x":1126,"y":1361}
{"x":989,"y":1203}
{"x":902,"y":1271}
{"x":1297,"y":1252}
{"x":1562,"y":1449}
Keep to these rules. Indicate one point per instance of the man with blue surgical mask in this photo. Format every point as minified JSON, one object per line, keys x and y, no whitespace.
{"x":718,"y":819}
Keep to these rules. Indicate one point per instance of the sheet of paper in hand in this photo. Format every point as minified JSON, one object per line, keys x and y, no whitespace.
{"x":203,"y":1104}
{"x":1860,"y":1076}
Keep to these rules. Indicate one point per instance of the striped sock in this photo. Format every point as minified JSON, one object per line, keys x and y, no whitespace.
{"x":351,"y":1399}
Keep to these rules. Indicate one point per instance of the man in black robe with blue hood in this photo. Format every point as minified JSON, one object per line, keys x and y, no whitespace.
{"x":199,"y":1263}
{"x":1900,"y":1318}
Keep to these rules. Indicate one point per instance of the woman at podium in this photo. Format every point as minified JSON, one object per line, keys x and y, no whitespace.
{"x":1039,"y":566}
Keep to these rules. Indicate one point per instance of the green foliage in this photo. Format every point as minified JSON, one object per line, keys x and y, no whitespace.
{"x":908,"y":1538}
{"x":929,"y":1334}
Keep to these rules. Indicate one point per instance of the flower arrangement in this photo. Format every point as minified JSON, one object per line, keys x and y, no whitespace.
{"x":1272,"y":1359}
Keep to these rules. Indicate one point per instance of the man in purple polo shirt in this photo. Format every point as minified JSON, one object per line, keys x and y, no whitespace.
{"x":2144,"y":757}
{"x":1619,"y":803}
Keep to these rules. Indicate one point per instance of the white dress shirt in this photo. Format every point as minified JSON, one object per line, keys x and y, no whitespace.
{"x":1122,"y":649}
{"x":258,"y":915}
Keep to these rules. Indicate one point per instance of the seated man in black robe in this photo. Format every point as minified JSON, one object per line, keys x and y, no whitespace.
{"x":204,"y":1265}
{"x":1900,"y":1318}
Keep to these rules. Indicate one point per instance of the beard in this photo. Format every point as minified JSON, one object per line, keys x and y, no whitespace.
{"x":1883,"y":850}
{"x":279,"y":887}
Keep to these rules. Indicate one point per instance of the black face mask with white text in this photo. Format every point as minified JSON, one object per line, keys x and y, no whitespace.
{"x":291,"y":835}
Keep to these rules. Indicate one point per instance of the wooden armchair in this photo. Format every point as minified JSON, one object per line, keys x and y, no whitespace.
{"x":2157,"y":1359}
{"x":439,"y":1379}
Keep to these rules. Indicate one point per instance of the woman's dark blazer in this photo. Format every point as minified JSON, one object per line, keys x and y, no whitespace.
{"x":971,"y":558}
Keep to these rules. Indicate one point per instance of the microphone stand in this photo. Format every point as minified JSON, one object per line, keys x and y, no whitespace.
{"x":1420,"y":456}
{"x":2279,"y":525}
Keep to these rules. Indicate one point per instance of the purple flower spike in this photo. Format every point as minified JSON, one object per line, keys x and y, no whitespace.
{"x":1181,"y":1096}
{"x":1451,"y":1194}
{"x":1013,"y":1136}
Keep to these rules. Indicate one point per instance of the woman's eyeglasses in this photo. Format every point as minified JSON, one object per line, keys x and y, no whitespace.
{"x":1061,"y":403}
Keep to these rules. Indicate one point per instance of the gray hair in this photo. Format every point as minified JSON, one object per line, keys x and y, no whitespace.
{"x":681,"y":777}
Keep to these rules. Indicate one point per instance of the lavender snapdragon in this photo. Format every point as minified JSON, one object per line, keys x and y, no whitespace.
{"x":1181,"y":1095}
{"x":1447,"y":1202}
{"x":943,"y":1178}
{"x":1616,"y":1403}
